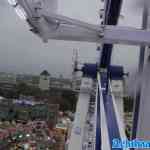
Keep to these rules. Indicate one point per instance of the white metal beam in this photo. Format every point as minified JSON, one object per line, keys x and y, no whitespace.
{"x":49,"y":25}
{"x":126,"y":35}
{"x":111,"y":34}
{"x":77,"y":134}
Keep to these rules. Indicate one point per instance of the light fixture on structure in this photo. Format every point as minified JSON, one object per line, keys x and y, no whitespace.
{"x":21,"y":12}
{"x":12,"y":2}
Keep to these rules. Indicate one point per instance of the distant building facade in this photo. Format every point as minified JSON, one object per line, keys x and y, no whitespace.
{"x":7,"y":78}
{"x":31,"y":80}
{"x":44,"y":83}
{"x":61,"y":83}
{"x":7,"y":81}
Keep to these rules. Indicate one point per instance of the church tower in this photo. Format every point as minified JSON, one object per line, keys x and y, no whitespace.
{"x":44,"y":83}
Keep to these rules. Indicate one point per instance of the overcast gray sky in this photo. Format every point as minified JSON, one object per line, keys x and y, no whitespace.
{"x":23,"y":52}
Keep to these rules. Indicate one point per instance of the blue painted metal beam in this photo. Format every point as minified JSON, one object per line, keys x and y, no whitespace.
{"x":98,"y":123}
{"x":116,"y":72}
{"x":89,"y":70}
{"x":113,"y":8}
{"x":111,"y":118}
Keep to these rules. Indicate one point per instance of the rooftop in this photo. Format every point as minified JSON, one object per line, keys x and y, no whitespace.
{"x":45,"y":73}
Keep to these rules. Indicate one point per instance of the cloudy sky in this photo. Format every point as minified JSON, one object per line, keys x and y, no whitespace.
{"x":23,"y":52}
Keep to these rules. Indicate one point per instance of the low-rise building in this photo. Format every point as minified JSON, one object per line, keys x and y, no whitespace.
{"x":31,"y":80}
{"x":44,"y":81}
{"x":60,"y":83}
{"x":7,"y":78}
{"x":7,"y":81}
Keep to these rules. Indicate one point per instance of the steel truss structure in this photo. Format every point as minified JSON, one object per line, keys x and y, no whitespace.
{"x":45,"y":22}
